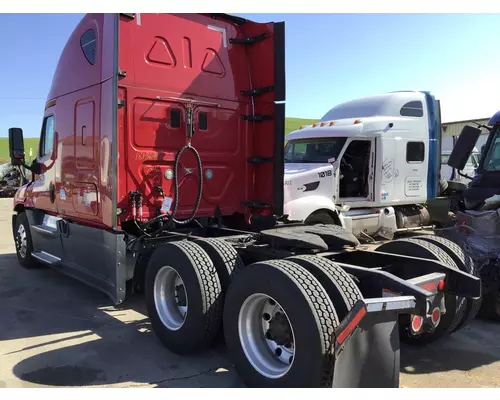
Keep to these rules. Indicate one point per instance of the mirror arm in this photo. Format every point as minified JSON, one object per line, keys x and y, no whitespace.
{"x":28,"y":167}
{"x":483,"y":126}
{"x":35,"y":171}
{"x":464,"y":175}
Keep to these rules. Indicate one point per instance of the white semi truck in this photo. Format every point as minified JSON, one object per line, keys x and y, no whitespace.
{"x":370,"y":165}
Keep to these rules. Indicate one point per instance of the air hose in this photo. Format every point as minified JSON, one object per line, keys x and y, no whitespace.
{"x":171,"y":217}
{"x":176,"y":184}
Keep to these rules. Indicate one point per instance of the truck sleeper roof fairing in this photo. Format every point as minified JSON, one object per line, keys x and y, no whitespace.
{"x":142,"y":79}
{"x":381,"y":105}
{"x":367,"y":116}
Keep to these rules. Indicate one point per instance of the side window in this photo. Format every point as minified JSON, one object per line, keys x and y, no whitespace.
{"x":289,"y":152}
{"x":47,"y":138}
{"x":175,"y":118}
{"x":89,"y":44}
{"x":415,"y":152}
{"x":203,"y":121}
{"x":412,"y":109}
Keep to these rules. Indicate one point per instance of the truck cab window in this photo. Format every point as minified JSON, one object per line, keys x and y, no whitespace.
{"x":88,"y":43}
{"x":314,"y":150}
{"x":47,"y":138}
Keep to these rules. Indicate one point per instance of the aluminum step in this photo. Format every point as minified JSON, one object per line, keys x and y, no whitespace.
{"x":45,"y":229}
{"x":45,"y":257}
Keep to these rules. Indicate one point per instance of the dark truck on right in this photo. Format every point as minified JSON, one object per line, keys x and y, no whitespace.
{"x":475,"y":225}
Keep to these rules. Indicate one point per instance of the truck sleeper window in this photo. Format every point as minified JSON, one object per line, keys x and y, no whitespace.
{"x":415,"y":152}
{"x":88,"y":43}
{"x":412,"y":109}
{"x":47,"y":139}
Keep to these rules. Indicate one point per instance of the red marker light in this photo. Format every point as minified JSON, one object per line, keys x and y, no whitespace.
{"x":416,"y":323}
{"x":436,"y":316}
{"x":429,"y":286}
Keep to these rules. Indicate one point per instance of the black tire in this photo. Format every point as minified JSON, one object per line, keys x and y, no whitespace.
{"x":27,"y":260}
{"x":203,"y":290}
{"x":466,"y":264}
{"x":320,"y":217}
{"x":343,"y":291}
{"x":227,"y":263}
{"x":225,"y":258}
{"x":309,"y":310}
{"x":335,"y":236}
{"x":455,"y":308}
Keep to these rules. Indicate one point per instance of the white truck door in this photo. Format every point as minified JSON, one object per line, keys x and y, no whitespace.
{"x":356,"y":162}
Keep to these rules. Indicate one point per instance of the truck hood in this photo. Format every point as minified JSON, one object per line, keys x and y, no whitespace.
{"x":308,"y":179}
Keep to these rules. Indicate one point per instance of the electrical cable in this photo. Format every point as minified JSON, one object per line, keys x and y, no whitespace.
{"x":176,"y":184}
{"x":171,"y":217}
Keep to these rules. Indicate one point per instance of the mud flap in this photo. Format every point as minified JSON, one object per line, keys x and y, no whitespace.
{"x":367,"y":347}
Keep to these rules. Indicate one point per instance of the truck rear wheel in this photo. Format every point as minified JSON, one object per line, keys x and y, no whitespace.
{"x":226,"y":259}
{"x":465,"y":264}
{"x":183,"y":297}
{"x":278,"y":326}
{"x":343,"y":292}
{"x":455,"y":307}
{"x":24,"y":243}
{"x":227,"y":263}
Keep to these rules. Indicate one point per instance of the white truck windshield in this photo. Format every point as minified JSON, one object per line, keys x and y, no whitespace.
{"x":492,"y":159}
{"x":318,"y":150}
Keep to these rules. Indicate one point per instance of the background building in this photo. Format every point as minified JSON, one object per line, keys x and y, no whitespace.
{"x":453,"y":129}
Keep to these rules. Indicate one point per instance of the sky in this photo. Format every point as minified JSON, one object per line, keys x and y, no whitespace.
{"x":330,"y":58}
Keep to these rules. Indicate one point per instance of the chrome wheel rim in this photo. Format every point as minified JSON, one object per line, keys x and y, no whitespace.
{"x":21,"y":242}
{"x":266,"y":336}
{"x":170,"y":298}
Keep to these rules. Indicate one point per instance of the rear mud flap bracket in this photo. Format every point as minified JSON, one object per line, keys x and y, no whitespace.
{"x":367,"y":347}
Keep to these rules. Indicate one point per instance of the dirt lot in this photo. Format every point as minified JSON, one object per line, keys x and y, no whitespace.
{"x":55,"y":331}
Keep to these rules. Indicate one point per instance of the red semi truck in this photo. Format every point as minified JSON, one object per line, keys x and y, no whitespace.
{"x":160,"y":170}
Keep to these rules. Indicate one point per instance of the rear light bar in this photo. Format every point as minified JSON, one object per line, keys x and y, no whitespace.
{"x":433,"y":283}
